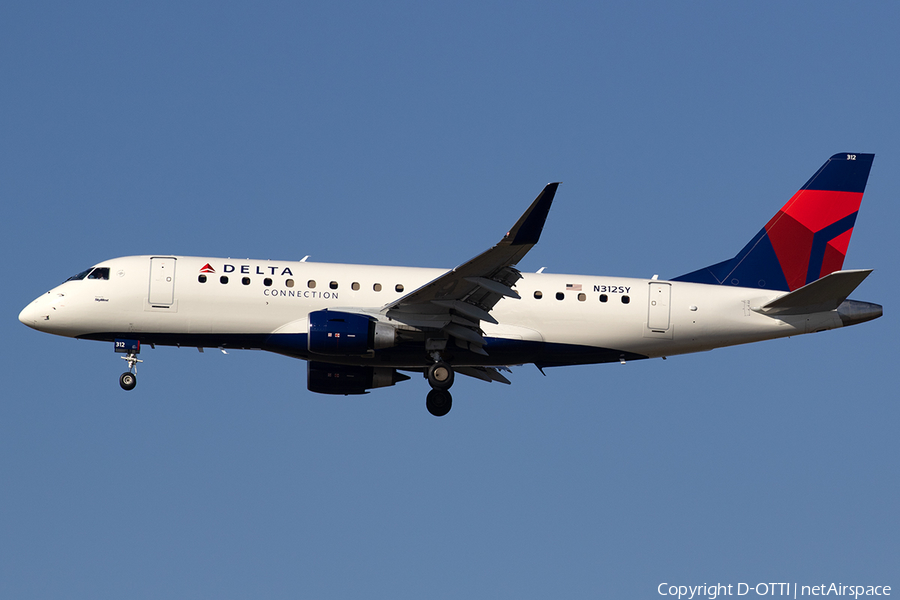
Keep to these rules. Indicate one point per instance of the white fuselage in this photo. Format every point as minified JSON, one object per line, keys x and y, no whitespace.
{"x":165,"y":300}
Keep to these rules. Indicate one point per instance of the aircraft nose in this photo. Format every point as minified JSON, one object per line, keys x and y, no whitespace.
{"x":28,"y":316}
{"x":31,"y":314}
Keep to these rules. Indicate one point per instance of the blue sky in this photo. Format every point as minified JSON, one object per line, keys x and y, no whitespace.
{"x":415,"y":134}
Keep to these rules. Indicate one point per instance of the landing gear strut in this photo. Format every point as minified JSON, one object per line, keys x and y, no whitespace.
{"x":440,"y":376}
{"x":130,"y":348}
{"x":129,"y":379}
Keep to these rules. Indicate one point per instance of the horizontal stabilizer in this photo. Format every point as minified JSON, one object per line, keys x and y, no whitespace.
{"x":821,"y":295}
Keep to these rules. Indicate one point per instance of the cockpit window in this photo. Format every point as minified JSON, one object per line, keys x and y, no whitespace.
{"x":80,"y":276}
{"x":92,"y":273}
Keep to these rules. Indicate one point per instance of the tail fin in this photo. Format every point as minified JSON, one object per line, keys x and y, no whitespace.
{"x":807,"y":239}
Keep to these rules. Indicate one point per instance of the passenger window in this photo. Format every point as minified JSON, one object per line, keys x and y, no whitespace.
{"x":289,"y":283}
{"x":560,"y":296}
{"x":603,"y":297}
{"x":354,"y":286}
{"x":538,"y":295}
{"x":582,"y":297}
{"x":377,"y":287}
{"x":333,"y":285}
{"x":311,"y":283}
{"x":202,"y":279}
{"x":223,"y":279}
{"x":267,"y":281}
{"x":245,"y":281}
{"x":399,"y":287}
{"x":625,"y":299}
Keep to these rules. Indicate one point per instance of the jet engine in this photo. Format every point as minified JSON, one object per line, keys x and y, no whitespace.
{"x":326,"y":378}
{"x":338,"y":333}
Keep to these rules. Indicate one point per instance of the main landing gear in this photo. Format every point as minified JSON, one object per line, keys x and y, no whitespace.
{"x":439,"y":402}
{"x":440,"y":376}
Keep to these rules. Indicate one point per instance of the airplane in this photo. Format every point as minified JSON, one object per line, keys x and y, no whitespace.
{"x":359,"y":327}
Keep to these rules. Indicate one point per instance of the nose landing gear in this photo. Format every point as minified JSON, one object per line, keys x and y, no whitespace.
{"x":130,"y":348}
{"x":128,"y":379}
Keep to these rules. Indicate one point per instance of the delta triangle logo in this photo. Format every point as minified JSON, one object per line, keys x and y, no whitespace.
{"x":207,"y":268}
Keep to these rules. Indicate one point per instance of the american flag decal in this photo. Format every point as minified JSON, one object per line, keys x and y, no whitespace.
{"x":573,"y":287}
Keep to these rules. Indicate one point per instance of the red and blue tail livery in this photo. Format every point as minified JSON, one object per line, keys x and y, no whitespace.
{"x":807,"y":239}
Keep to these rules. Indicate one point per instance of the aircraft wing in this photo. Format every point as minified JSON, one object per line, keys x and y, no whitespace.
{"x":457,"y":301}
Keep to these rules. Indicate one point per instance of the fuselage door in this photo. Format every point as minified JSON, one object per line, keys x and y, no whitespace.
{"x":162,"y":281}
{"x":658,"y":309}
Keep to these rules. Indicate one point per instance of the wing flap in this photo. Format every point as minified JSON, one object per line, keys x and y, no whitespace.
{"x":488,"y":374}
{"x":494,"y":286}
{"x":466,"y":309}
{"x":464,"y":333}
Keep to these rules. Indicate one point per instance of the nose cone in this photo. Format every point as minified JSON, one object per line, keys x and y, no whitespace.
{"x":50,"y":313}
{"x":29,"y":315}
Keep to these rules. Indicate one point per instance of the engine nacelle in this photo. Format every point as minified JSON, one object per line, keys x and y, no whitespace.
{"x":338,"y":333}
{"x":326,"y":378}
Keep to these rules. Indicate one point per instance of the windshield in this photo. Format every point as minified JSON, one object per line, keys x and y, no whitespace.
{"x":81,"y":275}
{"x":92,"y":273}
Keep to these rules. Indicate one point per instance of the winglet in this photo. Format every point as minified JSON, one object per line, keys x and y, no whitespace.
{"x":527,"y":229}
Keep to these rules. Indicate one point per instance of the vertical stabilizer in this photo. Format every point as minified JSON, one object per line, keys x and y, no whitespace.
{"x":807,"y":239}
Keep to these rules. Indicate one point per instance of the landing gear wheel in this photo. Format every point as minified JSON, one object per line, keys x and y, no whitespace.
{"x":128,"y":381}
{"x":440,"y":376}
{"x":439,"y":402}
